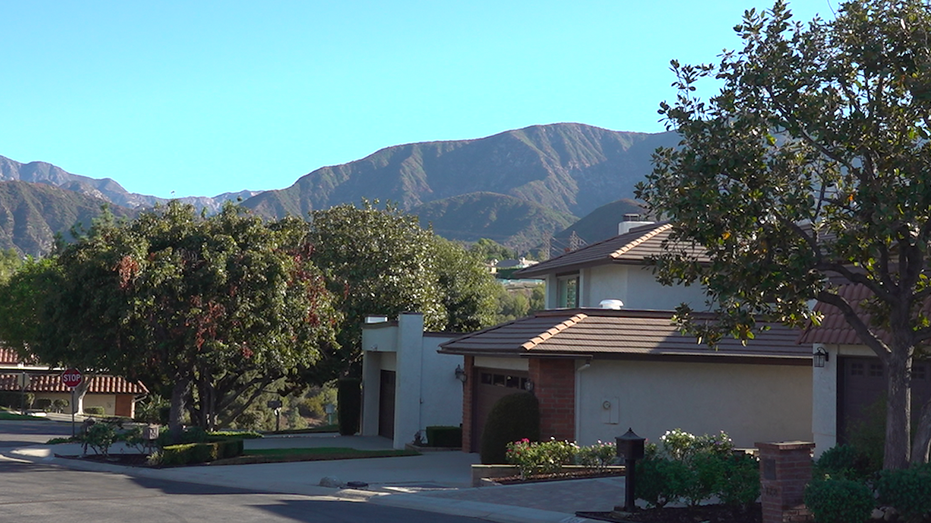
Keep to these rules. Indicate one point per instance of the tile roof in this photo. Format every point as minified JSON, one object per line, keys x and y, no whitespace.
{"x":8,"y":356}
{"x":100,"y":384}
{"x":635,"y":246}
{"x":586,"y":332}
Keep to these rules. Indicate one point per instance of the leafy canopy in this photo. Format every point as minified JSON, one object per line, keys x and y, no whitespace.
{"x":811,"y":166}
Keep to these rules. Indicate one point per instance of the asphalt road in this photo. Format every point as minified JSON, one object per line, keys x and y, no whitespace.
{"x":33,"y":492}
{"x":23,"y":433}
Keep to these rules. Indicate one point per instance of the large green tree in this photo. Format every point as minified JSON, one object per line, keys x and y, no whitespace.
{"x":812,"y":165}
{"x":378,"y":260}
{"x":218,"y":307}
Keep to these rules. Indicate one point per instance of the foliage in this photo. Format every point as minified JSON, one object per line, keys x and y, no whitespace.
{"x":661,"y":480}
{"x":192,"y":453}
{"x":844,"y":461}
{"x":94,"y":411}
{"x":489,"y":250}
{"x":810,"y":166}
{"x":839,"y":501}
{"x":519,"y":300}
{"x":544,"y":457}
{"x":16,"y":400}
{"x":99,"y":437}
{"x":349,"y":401}
{"x":152,"y":409}
{"x":219,"y":307}
{"x":907,"y":490}
{"x":9,"y":262}
{"x":598,"y":456}
{"x":440,"y":436}
{"x":512,"y":418}
{"x":739,"y":484}
{"x":467,"y":290}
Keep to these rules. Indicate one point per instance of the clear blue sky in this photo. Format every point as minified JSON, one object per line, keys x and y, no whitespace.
{"x":198,"y":98}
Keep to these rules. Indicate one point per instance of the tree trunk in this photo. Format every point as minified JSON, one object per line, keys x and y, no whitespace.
{"x":179,"y":393}
{"x":898,"y":366}
{"x":922,"y":445}
{"x":79,"y":392}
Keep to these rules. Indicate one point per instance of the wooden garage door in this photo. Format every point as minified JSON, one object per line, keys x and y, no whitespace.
{"x":490,"y":386}
{"x":862,"y":399}
{"x":386,"y":404}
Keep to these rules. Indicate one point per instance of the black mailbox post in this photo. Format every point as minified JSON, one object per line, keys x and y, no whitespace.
{"x":631,"y":447}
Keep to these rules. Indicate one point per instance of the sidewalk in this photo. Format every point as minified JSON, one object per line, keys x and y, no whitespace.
{"x":434,"y":482}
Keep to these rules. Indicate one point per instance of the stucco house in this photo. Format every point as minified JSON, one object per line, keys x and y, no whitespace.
{"x":849,"y":385}
{"x":605,"y":356}
{"x":115,"y":395}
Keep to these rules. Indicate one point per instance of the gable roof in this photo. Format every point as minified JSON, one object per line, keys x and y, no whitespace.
{"x":620,"y":333}
{"x":633,"y":247}
{"x":100,"y":384}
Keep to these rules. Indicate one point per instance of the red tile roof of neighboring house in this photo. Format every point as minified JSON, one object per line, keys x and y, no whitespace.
{"x":619,"y":333}
{"x":633,"y":247}
{"x":8,"y":356}
{"x":101,"y":384}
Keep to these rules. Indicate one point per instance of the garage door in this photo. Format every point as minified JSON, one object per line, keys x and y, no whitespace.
{"x":490,"y":386}
{"x":862,"y":387}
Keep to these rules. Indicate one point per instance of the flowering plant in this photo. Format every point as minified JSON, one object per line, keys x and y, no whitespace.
{"x":597,"y":456}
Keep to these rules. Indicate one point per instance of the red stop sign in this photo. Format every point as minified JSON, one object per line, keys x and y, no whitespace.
{"x":71,"y":378}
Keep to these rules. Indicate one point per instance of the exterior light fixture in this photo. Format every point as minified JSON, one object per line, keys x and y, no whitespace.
{"x":461,"y":374}
{"x":632,"y":447}
{"x":820,"y":356}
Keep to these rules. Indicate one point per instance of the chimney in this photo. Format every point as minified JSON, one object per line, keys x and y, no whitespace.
{"x":631,"y":220}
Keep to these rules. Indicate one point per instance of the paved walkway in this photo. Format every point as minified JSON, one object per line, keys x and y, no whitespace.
{"x":433,"y":481}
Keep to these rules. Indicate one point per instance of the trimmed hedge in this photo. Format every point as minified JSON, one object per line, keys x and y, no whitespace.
{"x":192,"y":453}
{"x":908,"y":490}
{"x":14,"y":399}
{"x":95,"y":411}
{"x":512,"y":418}
{"x":839,"y":501}
{"x":442,"y":436}
{"x":349,"y":405}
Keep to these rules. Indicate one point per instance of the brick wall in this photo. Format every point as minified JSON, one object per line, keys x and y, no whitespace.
{"x":554,"y":385}
{"x":467,"y":392}
{"x":785,"y":469}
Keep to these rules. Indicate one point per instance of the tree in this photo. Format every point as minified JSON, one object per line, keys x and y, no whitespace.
{"x":9,"y":262}
{"x":811,"y":165}
{"x":489,"y":250}
{"x":380,"y":261}
{"x":219,"y":307}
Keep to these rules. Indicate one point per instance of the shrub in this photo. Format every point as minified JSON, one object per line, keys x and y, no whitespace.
{"x":447,"y":437}
{"x":907,"y":490}
{"x":739,"y":484}
{"x":60,"y":405}
{"x":219,"y":435}
{"x":192,"y":453}
{"x":839,"y":501}
{"x":189,"y":435}
{"x":94,"y":411}
{"x":99,"y":437}
{"x":843,"y":461}
{"x":44,"y":403}
{"x":597,"y":456}
{"x":349,"y":401}
{"x":546,"y":457}
{"x":512,"y":418}
{"x":661,"y":480}
{"x":705,"y":471}
{"x":15,"y":399}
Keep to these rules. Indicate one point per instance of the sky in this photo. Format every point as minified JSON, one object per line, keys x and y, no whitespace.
{"x":178,"y":98}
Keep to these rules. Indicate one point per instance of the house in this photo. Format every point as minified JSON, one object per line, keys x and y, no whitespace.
{"x":849,"y":385}
{"x":115,"y":395}
{"x":606,"y":357}
{"x":406,"y":384}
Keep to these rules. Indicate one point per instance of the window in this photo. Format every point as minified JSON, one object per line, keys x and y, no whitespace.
{"x":856,"y":369}
{"x":568,"y":290}
{"x":919,"y":372}
{"x":876,"y":370}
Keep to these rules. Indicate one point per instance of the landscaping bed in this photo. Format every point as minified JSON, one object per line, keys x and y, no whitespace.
{"x":699,"y":514}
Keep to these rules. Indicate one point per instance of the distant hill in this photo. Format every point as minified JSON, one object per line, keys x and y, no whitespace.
{"x":600,"y":224}
{"x":32,"y":213}
{"x":505,"y":219}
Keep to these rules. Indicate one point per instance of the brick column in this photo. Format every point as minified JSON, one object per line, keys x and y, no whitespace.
{"x":467,"y":390}
{"x":785,"y":469}
{"x":554,"y":385}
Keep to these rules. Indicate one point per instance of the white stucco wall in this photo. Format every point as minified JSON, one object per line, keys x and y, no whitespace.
{"x":824,"y":398}
{"x":750,"y":402}
{"x":426,"y":389}
{"x":635,"y":285}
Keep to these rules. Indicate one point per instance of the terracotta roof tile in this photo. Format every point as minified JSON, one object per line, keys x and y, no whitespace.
{"x":102,"y":384}
{"x":8,"y":356}
{"x":621,"y":332}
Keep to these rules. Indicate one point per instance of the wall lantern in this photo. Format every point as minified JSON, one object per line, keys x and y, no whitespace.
{"x":820,"y":356}
{"x":461,"y":374}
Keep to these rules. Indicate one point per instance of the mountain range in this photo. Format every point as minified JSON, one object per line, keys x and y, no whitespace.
{"x":516,"y":187}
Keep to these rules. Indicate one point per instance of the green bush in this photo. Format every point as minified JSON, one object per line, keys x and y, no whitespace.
{"x":546,"y":457}
{"x":739,"y":484}
{"x":907,"y":490}
{"x":512,"y":418}
{"x":839,"y":501}
{"x":44,"y":403}
{"x":14,"y":399}
{"x":447,"y":437}
{"x":349,"y":401}
{"x":189,"y":435}
{"x":661,"y":480}
{"x":60,"y":405}
{"x":192,"y":453}
{"x":94,"y":411}
{"x":705,"y":472}
{"x":219,"y":435}
{"x":843,"y":461}
{"x":99,"y":437}
{"x":597,"y":456}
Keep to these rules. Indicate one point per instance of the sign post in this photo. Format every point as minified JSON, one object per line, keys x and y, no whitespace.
{"x":72,"y":378}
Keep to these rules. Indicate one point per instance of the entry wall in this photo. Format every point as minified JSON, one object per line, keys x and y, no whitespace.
{"x":749,"y":402}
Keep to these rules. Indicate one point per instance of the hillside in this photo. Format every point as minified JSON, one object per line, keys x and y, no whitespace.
{"x":32,"y":213}
{"x":600,"y":224}
{"x":505,"y":219}
{"x":568,"y":168}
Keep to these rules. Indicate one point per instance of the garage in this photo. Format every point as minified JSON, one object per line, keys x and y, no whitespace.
{"x":490,"y":386}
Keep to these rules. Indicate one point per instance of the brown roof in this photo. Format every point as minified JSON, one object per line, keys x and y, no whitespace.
{"x":633,"y":247}
{"x":8,"y":356}
{"x":589,"y":332}
{"x":102,"y":384}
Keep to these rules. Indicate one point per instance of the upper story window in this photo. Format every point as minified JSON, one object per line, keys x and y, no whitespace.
{"x":567,"y":288}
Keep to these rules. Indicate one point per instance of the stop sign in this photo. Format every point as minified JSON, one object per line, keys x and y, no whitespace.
{"x":71,"y":378}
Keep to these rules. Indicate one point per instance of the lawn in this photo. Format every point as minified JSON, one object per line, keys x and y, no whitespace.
{"x":311,"y":454}
{"x":6,"y":415}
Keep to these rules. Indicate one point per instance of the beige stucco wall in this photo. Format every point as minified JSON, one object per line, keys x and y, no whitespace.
{"x":750,"y":402}
{"x":107,"y":401}
{"x":636,"y":286}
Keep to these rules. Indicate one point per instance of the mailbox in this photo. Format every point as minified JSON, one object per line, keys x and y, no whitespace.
{"x":630,"y":445}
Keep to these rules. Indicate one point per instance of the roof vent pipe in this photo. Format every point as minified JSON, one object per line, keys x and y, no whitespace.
{"x":611,"y":304}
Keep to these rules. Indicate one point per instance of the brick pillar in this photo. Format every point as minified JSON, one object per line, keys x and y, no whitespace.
{"x":467,"y":391}
{"x":554,"y":385}
{"x":785,"y":469}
